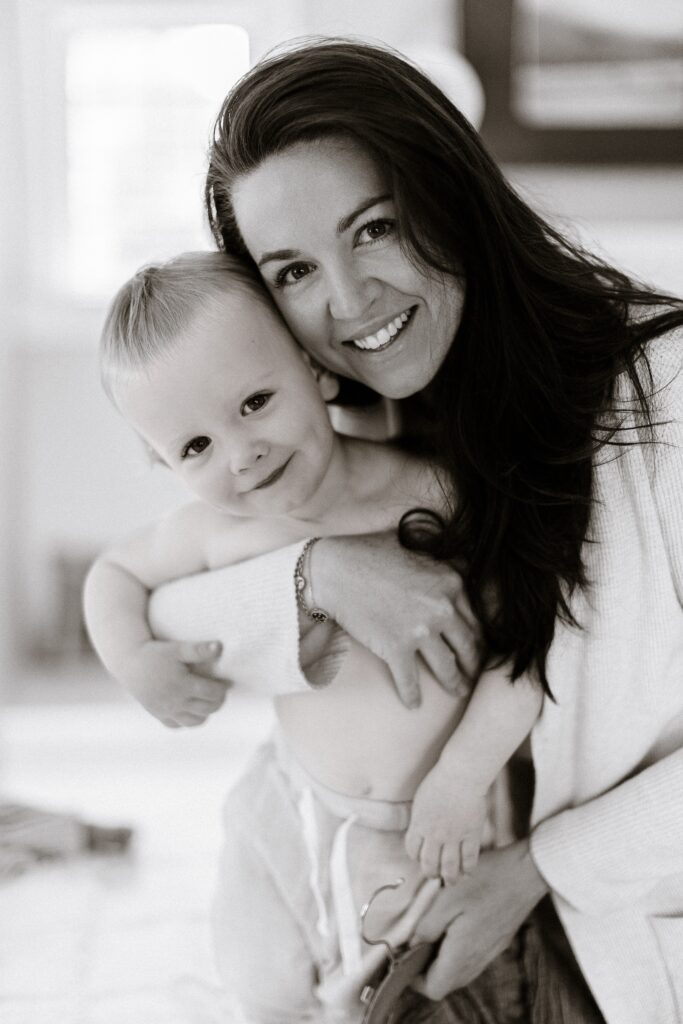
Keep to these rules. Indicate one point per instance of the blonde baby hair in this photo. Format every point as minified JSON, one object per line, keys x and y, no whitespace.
{"x":150,"y":312}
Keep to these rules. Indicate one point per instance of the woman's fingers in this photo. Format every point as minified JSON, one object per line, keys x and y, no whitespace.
{"x":438,"y":980}
{"x":444,"y":662}
{"x":422,"y":609}
{"x":441,"y":661}
{"x":465,"y":646}
{"x":404,"y":671}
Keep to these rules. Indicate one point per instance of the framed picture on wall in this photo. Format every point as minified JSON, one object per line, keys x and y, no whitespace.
{"x":579,"y":82}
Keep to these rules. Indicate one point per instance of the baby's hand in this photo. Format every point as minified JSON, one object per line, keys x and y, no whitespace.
{"x":159,"y":674}
{"x":446,"y":825}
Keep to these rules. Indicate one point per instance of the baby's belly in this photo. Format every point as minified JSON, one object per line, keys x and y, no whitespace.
{"x":356,"y":737}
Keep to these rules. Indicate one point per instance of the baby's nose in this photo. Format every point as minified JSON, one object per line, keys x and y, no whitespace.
{"x":246,"y":456}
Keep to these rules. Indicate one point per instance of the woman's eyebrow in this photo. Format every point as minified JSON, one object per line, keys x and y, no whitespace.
{"x":342,"y":225}
{"x":278,"y":254}
{"x":345,"y":223}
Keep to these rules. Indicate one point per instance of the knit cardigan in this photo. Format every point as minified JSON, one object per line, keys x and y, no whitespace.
{"x":608,"y":811}
{"x":607,"y":819}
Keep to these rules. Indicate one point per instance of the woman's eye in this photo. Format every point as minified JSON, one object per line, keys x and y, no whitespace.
{"x":292,"y":274}
{"x":196,"y":446}
{"x":255,"y":403}
{"x":375,"y":230}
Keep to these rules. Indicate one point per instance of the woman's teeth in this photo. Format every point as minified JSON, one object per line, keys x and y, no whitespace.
{"x":385,"y":334}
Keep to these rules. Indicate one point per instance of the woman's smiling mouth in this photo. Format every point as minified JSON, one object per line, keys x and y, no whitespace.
{"x":385,"y":336}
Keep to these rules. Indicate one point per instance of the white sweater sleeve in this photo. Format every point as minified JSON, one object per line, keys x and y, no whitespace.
{"x":613,"y":849}
{"x":666,"y":457}
{"x":251,"y":609}
{"x":610,"y":852}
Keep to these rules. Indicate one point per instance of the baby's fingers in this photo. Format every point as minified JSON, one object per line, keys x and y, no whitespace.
{"x":450,"y":863}
{"x":469,"y":854}
{"x":213,"y":691}
{"x":430,"y":858}
{"x":191,"y":718}
{"x":195,"y":653}
{"x":202,"y":707}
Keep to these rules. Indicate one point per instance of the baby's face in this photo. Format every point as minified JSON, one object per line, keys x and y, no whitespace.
{"x":235,"y":410}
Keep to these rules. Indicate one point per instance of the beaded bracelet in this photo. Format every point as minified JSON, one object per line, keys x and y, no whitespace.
{"x":300,"y":584}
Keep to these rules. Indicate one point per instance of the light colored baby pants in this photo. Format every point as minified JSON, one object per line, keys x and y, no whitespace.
{"x":298,"y":863}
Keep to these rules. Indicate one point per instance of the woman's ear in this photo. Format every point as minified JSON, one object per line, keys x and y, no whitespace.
{"x":327,"y":381}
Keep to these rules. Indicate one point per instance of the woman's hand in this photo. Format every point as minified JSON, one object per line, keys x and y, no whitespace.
{"x":478,"y":917}
{"x":399,"y":605}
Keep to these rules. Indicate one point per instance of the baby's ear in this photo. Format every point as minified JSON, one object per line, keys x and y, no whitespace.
{"x":327,"y":381}
{"x":328,"y":384}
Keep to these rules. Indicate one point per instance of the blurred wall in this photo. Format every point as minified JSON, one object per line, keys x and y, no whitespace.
{"x":11,"y":413}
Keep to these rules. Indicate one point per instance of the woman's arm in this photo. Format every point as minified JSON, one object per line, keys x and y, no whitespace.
{"x":402,"y":606}
{"x":397,"y":604}
{"x":251,"y":609}
{"x":478,"y":918}
{"x":611,"y":851}
{"x":600,"y":856}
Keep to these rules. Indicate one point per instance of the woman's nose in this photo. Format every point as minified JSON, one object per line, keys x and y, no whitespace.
{"x":351,"y":291}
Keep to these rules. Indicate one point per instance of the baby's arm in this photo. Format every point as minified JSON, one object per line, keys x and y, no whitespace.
{"x":157,"y":673}
{"x":449,"y":809}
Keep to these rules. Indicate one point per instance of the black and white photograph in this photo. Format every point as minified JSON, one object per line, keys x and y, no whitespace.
{"x":341,"y":560}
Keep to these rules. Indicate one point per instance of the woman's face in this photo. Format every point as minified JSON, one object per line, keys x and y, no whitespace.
{"x":321,"y":225}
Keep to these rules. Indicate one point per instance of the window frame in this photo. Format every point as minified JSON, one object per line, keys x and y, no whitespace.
{"x":43,"y":27}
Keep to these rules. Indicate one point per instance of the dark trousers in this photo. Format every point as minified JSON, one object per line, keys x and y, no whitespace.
{"x":536,"y":980}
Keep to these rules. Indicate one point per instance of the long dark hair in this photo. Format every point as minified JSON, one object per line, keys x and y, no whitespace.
{"x":526,"y":393}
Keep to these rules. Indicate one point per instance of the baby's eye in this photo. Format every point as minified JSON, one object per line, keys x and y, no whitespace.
{"x":256,"y":402}
{"x":196,"y":446}
{"x":375,"y":230}
{"x":292,"y":274}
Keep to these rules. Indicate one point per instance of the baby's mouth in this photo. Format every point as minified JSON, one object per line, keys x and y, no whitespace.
{"x":274,"y":476}
{"x":385,"y":336}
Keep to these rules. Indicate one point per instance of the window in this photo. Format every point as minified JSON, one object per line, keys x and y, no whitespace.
{"x":139,"y":106}
{"x":118,"y":100}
